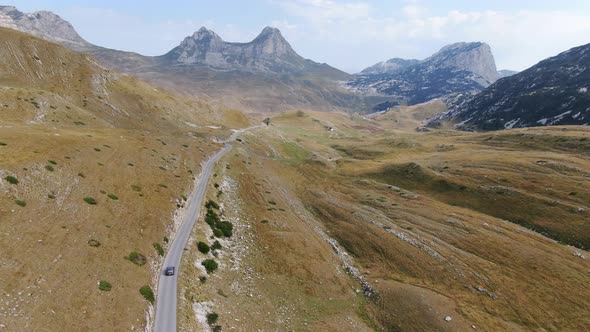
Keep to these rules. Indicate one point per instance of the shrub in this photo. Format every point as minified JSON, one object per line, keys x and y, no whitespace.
{"x":135,"y":187}
{"x":203,"y":247}
{"x":217,"y":232}
{"x":203,"y":279}
{"x":51,"y":196}
{"x":226,"y":228}
{"x":81,"y":175}
{"x":137,"y":258}
{"x":147,"y":293}
{"x":93,"y":243}
{"x":52,"y":162}
{"x":20,"y":203}
{"x":159,"y":249}
{"x":103,"y":192}
{"x":113,"y":197}
{"x":166,"y":239}
{"x":211,"y":205}
{"x":212,"y":318}
{"x":104,"y":286}
{"x":90,"y":200}
{"x":3,"y":144}
{"x":97,"y":149}
{"x":216,"y":246}
{"x":11,"y":179}
{"x":49,"y":168}
{"x":210,"y":265}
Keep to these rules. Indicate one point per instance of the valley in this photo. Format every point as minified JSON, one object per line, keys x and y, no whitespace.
{"x":239,"y":186}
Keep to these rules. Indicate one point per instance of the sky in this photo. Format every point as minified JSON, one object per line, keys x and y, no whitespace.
{"x":348,"y":34}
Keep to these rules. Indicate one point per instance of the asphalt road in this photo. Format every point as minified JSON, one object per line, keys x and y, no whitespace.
{"x":166,"y":299}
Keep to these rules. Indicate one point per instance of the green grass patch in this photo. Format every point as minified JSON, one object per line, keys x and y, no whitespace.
{"x":90,"y":200}
{"x":104,"y":286}
{"x":159,"y":249}
{"x":147,"y":293}
{"x":11,"y":179}
{"x":137,"y":258}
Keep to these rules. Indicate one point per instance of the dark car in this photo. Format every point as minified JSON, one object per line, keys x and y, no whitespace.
{"x":169,"y":271}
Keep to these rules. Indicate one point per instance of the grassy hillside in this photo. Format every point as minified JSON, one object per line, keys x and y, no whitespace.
{"x":94,"y":165}
{"x":420,"y":215}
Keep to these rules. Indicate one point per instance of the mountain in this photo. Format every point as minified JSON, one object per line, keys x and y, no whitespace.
{"x":265,"y":74}
{"x":505,"y":73}
{"x":269,"y":52}
{"x":44,"y":24}
{"x":553,"y":92}
{"x":457,"y":68}
{"x":389,"y":67}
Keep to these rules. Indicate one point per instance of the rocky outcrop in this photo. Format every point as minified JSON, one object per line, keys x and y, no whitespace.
{"x":457,"y":68}
{"x":556,"y":91}
{"x":390,"y":66}
{"x":43,"y":24}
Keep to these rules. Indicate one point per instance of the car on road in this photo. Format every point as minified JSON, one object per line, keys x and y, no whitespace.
{"x":169,"y":271}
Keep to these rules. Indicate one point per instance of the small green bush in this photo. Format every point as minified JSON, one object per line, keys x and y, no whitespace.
{"x":49,"y":168}
{"x":212,"y":318}
{"x":203,"y":247}
{"x":226,"y":228}
{"x":166,"y":239}
{"x":137,"y":258}
{"x":113,"y":197}
{"x":52,"y":162}
{"x":211,"y":205}
{"x":210,"y":265}
{"x":159,"y":249}
{"x":11,"y":179}
{"x":20,"y":203}
{"x":216,"y":246}
{"x":147,"y":293}
{"x":90,"y":200}
{"x":104,"y":286}
{"x":51,"y":196}
{"x":217,"y":232}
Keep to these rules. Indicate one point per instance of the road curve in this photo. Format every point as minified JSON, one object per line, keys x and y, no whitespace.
{"x":165,"y":320}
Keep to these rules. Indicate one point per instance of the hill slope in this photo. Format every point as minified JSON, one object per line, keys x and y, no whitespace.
{"x":553,"y":92}
{"x":93,"y":167}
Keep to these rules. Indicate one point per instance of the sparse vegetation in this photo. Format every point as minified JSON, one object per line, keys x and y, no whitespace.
{"x":93,"y":243}
{"x":203,"y":247}
{"x":104,"y":286}
{"x":216,"y":245}
{"x":137,"y":258}
{"x":135,"y":188}
{"x":159,"y":249}
{"x":210,"y":265}
{"x":90,"y":200}
{"x":11,"y":179}
{"x":49,"y":168}
{"x":52,"y":162}
{"x":20,"y":203}
{"x":113,"y":197}
{"x":212,"y":318}
{"x":147,"y":293}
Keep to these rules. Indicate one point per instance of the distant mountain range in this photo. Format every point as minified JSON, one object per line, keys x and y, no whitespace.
{"x":265,"y":74}
{"x":556,"y":91}
{"x":458,"y":68}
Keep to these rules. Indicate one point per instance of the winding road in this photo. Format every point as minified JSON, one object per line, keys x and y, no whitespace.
{"x":165,"y":320}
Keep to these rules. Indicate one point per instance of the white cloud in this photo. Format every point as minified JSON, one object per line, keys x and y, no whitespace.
{"x":518,"y":39}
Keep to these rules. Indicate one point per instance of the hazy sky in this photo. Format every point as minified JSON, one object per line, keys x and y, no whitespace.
{"x":347,"y":34}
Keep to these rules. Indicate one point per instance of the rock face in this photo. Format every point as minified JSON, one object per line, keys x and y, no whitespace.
{"x":43,"y":24}
{"x":267,"y":52}
{"x":556,"y":91}
{"x":390,"y":66}
{"x":505,"y":73}
{"x":457,"y":68}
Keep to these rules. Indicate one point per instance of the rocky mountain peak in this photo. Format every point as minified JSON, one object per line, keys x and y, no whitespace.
{"x":44,"y":24}
{"x":474,"y":57}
